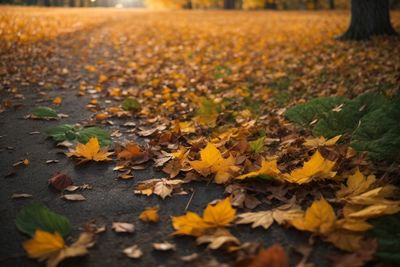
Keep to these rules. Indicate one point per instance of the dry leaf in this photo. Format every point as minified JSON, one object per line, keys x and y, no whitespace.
{"x":150,"y":215}
{"x":90,"y":151}
{"x":74,"y":197}
{"x":319,"y":218}
{"x":268,"y":168}
{"x":133,"y":252}
{"x":316,"y":167}
{"x":213,"y":162}
{"x":60,"y":181}
{"x":164,"y":246}
{"x":122,"y":227}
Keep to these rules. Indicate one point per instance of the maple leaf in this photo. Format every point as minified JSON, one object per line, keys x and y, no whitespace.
{"x":189,"y":224}
{"x":213,"y":162}
{"x":268,"y":168}
{"x":321,"y":141}
{"x":316,"y":167}
{"x":90,"y":151}
{"x":161,"y":187}
{"x":318,"y":218}
{"x":265,"y":219}
{"x":44,"y":245}
{"x":220,"y":214}
{"x":356,"y":185}
{"x":150,"y":215}
{"x":134,"y":153}
{"x":51,"y":247}
{"x":218,"y":238}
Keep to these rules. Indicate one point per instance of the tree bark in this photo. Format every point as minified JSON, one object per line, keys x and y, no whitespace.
{"x":229,"y":4}
{"x":369,"y":18}
{"x":332,"y":4}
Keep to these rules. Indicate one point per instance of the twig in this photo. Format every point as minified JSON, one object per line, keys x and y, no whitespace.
{"x":190,"y":201}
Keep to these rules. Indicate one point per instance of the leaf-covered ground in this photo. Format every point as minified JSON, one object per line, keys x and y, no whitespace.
{"x":125,"y":120}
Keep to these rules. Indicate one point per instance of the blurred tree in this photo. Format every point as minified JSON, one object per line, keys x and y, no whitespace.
{"x":369,"y":18}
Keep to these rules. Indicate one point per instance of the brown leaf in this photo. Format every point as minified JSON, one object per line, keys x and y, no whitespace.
{"x":60,"y":181}
{"x":122,"y":227}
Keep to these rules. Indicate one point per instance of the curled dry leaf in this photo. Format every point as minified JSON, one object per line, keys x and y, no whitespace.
{"x":21,"y":195}
{"x":123,"y":227}
{"x":74,"y":197}
{"x":133,"y":252}
{"x":218,"y":238}
{"x":164,"y":246}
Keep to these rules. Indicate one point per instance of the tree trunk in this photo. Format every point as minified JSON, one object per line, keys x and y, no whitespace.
{"x":369,"y":18}
{"x":332,"y":4}
{"x":229,"y":4}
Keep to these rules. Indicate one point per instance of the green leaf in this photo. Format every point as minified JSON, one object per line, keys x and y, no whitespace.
{"x":85,"y":134}
{"x":257,"y":146}
{"x":130,"y":104}
{"x":61,"y":132}
{"x":37,"y":216}
{"x":387,"y":232}
{"x":44,"y":113}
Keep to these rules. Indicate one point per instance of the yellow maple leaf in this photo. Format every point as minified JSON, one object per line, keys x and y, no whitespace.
{"x":90,"y":151}
{"x":214,"y":216}
{"x":189,"y":224}
{"x":150,"y":215}
{"x":49,"y":247}
{"x":220,"y":214}
{"x":268,"y":168}
{"x":316,"y":167}
{"x":357,"y":184}
{"x":319,"y":218}
{"x":213,"y":162}
{"x":321,"y":141}
{"x":44,"y":245}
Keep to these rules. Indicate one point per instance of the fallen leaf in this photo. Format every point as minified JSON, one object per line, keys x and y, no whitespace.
{"x":213,"y":162}
{"x":74,"y":197}
{"x":274,"y":256}
{"x":218,"y":238}
{"x":21,"y":195}
{"x":220,"y":214}
{"x":268,"y":169}
{"x":90,"y":151}
{"x":122,"y":227}
{"x":150,"y":215}
{"x":164,"y":246}
{"x":319,"y":218}
{"x":133,"y":252}
{"x":316,"y":167}
{"x":60,"y":181}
